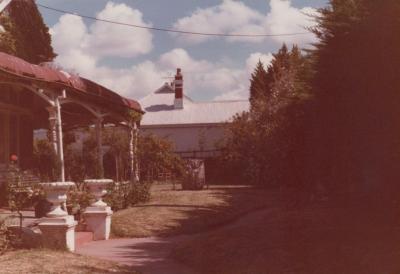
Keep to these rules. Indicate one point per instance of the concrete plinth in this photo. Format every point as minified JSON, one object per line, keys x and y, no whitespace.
{"x":58,"y":232}
{"x":98,"y":221}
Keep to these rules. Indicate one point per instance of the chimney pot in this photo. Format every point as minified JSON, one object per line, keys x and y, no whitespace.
{"x":178,"y":84}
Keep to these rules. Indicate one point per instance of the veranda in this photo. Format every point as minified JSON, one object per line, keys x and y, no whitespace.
{"x":40,"y":97}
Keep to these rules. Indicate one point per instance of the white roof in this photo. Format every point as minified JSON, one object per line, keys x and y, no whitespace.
{"x":4,"y":4}
{"x":159,"y":108}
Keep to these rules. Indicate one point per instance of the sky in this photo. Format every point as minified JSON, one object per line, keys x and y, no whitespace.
{"x":135,"y":62}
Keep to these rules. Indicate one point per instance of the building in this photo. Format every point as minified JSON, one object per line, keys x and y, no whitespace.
{"x":193,"y":127}
{"x":36,"y":97}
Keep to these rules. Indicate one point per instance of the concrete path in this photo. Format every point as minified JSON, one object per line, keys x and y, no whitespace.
{"x":147,"y":255}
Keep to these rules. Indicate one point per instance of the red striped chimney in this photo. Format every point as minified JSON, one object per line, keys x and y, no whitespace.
{"x":178,"y":83}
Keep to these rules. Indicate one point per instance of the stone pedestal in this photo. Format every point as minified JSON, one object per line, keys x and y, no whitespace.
{"x":98,"y":215}
{"x":98,"y":221}
{"x":58,"y":233}
{"x":58,"y":228}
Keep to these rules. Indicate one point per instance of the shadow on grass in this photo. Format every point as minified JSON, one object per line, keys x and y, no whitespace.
{"x":175,"y":212}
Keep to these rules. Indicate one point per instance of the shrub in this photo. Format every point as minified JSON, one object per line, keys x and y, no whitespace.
{"x":78,"y":200}
{"x":4,"y":238}
{"x":46,"y":161}
{"x":123,"y":195}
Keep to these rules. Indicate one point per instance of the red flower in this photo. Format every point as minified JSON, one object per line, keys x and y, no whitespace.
{"x":14,"y":158}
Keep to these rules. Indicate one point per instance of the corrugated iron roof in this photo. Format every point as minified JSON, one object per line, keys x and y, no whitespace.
{"x":19,"y":68}
{"x":160,"y":111}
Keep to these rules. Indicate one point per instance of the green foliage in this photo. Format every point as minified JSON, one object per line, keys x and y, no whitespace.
{"x":123,"y":195}
{"x":75,"y":165}
{"x":156,"y":155}
{"x":78,"y":199}
{"x":46,"y":161}
{"x":20,"y":195}
{"x":4,"y":236}
{"x":260,"y":145}
{"x":354,"y":126}
{"x":133,"y":116}
{"x":25,"y":35}
{"x":118,"y":143}
{"x":259,"y":84}
{"x":90,"y":157}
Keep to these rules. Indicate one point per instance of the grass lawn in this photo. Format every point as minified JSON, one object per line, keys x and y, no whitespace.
{"x":46,"y":262}
{"x":326,"y":237}
{"x":172,"y":212}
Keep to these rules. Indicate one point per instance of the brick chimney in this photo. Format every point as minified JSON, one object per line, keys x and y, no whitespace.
{"x":178,"y":84}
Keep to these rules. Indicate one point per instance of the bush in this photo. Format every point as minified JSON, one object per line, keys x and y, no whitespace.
{"x":9,"y":238}
{"x":78,"y":200}
{"x":4,"y":238}
{"x":123,"y":195}
{"x":46,"y":161}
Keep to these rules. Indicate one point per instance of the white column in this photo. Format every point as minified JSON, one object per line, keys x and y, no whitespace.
{"x":133,"y":159}
{"x":99,"y":139}
{"x":60,"y":140}
{"x":53,"y":128}
{"x":135,"y":156}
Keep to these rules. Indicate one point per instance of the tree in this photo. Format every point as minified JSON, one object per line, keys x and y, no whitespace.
{"x":25,"y":34}
{"x":261,"y":143}
{"x":156,"y":156}
{"x":259,"y":84}
{"x":355,"y":129}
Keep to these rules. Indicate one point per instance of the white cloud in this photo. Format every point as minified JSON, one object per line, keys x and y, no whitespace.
{"x":224,"y":18}
{"x":253,"y":59}
{"x":116,"y":40}
{"x":81,"y":49}
{"x":234,"y":17}
{"x":102,"y":39}
{"x":284,"y":18}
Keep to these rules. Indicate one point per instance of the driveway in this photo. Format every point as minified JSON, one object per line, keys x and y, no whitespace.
{"x":147,"y":255}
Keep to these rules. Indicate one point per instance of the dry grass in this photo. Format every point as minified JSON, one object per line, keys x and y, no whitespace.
{"x":329,"y":238}
{"x":172,"y":212}
{"x":46,"y":262}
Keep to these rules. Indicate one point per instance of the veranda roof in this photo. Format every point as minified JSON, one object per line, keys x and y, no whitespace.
{"x":17,"y":69}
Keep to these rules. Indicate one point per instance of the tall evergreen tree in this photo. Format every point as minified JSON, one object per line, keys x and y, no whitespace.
{"x":262,"y":143}
{"x":259,"y":85}
{"x":25,"y":35}
{"x":356,"y":86}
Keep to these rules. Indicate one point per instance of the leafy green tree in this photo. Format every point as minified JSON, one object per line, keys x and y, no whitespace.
{"x":118,"y":144}
{"x":25,"y":35}
{"x":261,"y":144}
{"x":156,"y":156}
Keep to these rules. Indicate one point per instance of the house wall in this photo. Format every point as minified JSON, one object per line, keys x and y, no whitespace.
{"x":196,"y":141}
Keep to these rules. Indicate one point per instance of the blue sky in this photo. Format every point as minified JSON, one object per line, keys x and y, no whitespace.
{"x":135,"y":62}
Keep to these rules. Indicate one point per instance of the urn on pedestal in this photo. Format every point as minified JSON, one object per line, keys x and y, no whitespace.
{"x":58,"y":228}
{"x":98,"y":215}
